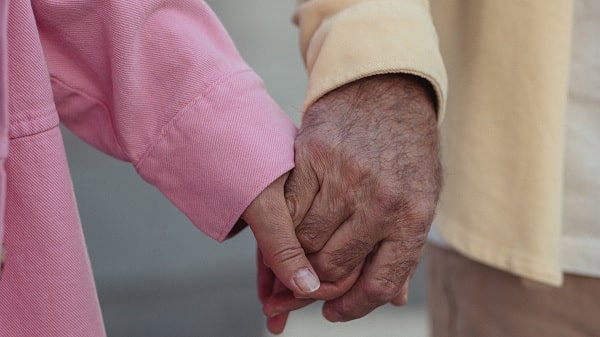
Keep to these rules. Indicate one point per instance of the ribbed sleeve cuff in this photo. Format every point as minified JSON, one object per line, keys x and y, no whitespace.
{"x":371,"y":38}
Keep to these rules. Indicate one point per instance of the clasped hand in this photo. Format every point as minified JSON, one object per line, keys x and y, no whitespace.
{"x":348,"y":224}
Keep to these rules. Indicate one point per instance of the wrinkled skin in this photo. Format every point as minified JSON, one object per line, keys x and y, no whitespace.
{"x":272,"y":226}
{"x":363,"y":194}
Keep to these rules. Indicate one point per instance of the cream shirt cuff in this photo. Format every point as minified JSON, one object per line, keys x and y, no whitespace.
{"x":343,"y":41}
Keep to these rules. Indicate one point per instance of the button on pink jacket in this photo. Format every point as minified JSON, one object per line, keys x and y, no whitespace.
{"x":151,"y":82}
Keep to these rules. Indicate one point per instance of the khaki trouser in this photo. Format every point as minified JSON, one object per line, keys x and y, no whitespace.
{"x":469,"y":299}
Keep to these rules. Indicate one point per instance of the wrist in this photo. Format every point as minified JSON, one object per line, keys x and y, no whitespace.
{"x":403,"y":87}
{"x":400,"y":95}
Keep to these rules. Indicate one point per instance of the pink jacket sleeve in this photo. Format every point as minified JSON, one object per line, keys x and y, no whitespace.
{"x":160,"y":84}
{"x":3,"y":119}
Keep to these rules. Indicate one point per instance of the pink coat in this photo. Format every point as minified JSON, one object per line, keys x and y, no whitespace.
{"x":156,"y":83}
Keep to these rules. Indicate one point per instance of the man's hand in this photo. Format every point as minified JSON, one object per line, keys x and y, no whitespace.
{"x":270,"y":221}
{"x":364,"y":191}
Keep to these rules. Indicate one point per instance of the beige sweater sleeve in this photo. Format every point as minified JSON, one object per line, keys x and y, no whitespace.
{"x":504,"y":135}
{"x":345,"y":40}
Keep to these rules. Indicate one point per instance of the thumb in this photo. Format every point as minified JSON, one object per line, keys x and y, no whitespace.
{"x":271,"y":223}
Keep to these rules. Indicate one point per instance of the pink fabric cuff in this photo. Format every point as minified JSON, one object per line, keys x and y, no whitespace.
{"x":218,"y":153}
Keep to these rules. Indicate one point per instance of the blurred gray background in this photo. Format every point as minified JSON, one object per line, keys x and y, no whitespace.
{"x":157,"y":275}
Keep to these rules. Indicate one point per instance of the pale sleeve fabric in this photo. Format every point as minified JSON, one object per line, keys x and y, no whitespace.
{"x":161,"y":85}
{"x":345,"y":40}
{"x":503,"y":137}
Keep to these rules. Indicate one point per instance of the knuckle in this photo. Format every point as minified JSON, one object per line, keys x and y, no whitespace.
{"x":350,"y":314}
{"x":422,"y":209}
{"x":389,"y":199}
{"x":401,"y":299}
{"x":390,"y":195}
{"x":381,"y":289}
{"x":341,"y":262}
{"x":357,"y":169}
{"x":311,"y":236}
{"x":410,"y":223}
{"x":394,"y":198}
{"x":334,"y":272}
{"x":349,"y":310}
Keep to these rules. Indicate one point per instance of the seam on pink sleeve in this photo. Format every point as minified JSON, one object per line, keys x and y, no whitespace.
{"x":32,"y":126}
{"x":29,"y":119}
{"x":35,"y":134}
{"x":89,"y":97}
{"x":165,"y":129}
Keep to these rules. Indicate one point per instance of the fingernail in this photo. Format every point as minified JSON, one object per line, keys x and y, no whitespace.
{"x":306,"y":280}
